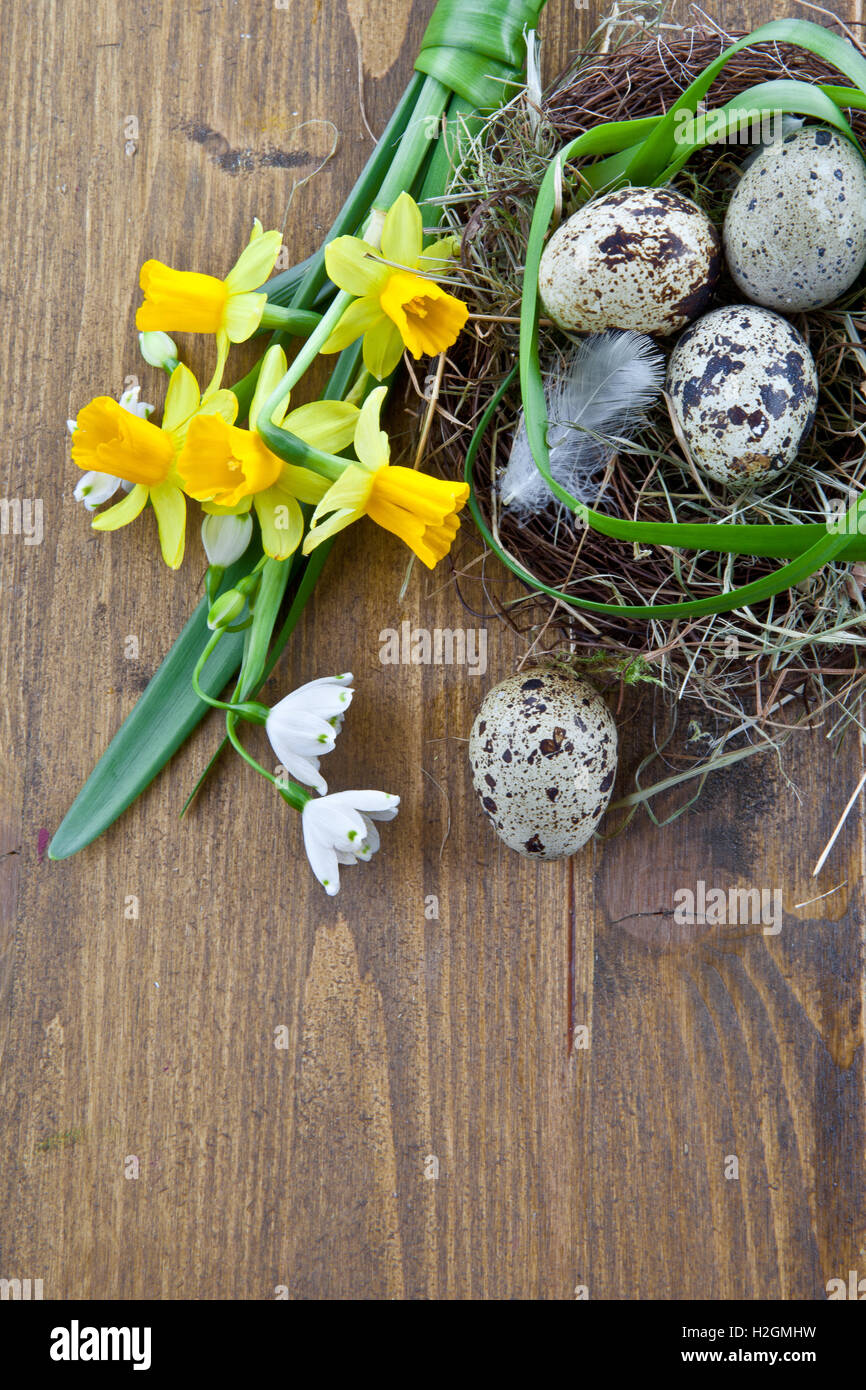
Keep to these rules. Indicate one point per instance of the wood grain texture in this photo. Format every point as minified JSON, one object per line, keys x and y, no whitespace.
{"x":281,"y":1070}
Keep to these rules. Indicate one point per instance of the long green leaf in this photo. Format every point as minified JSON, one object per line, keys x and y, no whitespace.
{"x":165,"y":715}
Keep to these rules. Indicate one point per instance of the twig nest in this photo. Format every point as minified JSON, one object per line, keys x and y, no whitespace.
{"x":640,"y":258}
{"x":795,"y":230}
{"x":743,"y":388}
{"x":543,"y":755}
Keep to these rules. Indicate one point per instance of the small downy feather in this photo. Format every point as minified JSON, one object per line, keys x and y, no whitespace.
{"x":596,"y":400}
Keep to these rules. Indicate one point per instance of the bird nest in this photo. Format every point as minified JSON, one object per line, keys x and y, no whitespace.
{"x":772,"y":664}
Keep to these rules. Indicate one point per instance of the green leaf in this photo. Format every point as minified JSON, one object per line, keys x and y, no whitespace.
{"x":166,"y":714}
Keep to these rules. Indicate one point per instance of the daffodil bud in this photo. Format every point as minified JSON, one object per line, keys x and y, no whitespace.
{"x":225,"y":538}
{"x":158,"y":350}
{"x":228,"y":606}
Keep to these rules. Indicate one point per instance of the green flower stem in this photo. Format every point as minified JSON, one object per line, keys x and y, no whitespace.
{"x":413,"y":150}
{"x":289,"y":790}
{"x":299,"y":322}
{"x":305,"y":287}
{"x":255,"y":672}
{"x":255,"y":713}
{"x":418,"y":140}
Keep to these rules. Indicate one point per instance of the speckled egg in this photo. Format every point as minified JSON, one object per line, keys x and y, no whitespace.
{"x":795,"y":231}
{"x":641,"y":258}
{"x":743,"y":388}
{"x":543,"y":755}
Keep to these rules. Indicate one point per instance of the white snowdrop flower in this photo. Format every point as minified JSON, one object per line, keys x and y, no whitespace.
{"x":305,"y":724}
{"x":339,"y":829}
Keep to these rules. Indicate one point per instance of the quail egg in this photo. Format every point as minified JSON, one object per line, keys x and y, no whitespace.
{"x":543,"y":756}
{"x":743,"y":389}
{"x":640,"y":258}
{"x":795,"y":230}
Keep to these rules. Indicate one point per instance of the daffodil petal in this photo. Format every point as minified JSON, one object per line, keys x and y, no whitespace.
{"x":358,"y":318}
{"x":169,"y":504}
{"x":281,"y":520}
{"x":354,"y":265}
{"x":273,"y":369}
{"x":303,"y":483}
{"x":328,"y":425}
{"x":243,"y":314}
{"x":438,"y":256}
{"x":221,"y":403}
{"x":179,"y":300}
{"x":338,"y":522}
{"x":403,"y":232}
{"x":428,"y":319}
{"x":182,"y":399}
{"x":430,"y":543}
{"x":122,"y":513}
{"x":371,"y":441}
{"x":383,"y":348}
{"x":350,"y":491}
{"x":255,"y":263}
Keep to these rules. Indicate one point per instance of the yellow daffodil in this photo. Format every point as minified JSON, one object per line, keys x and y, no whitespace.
{"x":230,"y":469}
{"x":109,"y":439}
{"x":184,"y":301}
{"x":397,"y":305}
{"x":419,"y":509}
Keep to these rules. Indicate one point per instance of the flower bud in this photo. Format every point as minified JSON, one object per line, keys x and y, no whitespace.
{"x":228,"y":606}
{"x":158,"y":350}
{"x":225,"y":538}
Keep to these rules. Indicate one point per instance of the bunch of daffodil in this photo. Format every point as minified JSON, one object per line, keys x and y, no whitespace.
{"x":277,"y":479}
{"x":398,"y":300}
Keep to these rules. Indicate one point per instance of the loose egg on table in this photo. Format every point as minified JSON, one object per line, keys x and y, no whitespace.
{"x":743,"y":388}
{"x":639,"y":258}
{"x":795,"y":230}
{"x":543,"y":756}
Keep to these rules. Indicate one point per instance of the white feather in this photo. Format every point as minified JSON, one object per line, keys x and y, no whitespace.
{"x":596,"y":400}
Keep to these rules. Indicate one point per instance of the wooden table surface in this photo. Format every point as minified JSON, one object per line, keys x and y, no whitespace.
{"x":252,"y":1089}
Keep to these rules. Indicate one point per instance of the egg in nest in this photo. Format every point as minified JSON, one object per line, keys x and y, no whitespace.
{"x":795,"y":230}
{"x":639,"y":258}
{"x":543,"y":757}
{"x":743,"y":389}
